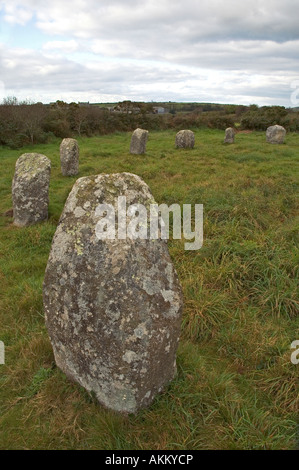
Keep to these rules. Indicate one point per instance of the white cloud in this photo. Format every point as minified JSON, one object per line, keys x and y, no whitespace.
{"x":64,"y":46}
{"x":156,"y":49}
{"x":27,"y":74}
{"x":16,"y":14}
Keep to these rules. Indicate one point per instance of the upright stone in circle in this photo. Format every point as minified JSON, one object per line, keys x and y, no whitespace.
{"x":69,"y":157}
{"x":112,"y":306}
{"x":229,"y":136}
{"x":185,"y":139}
{"x":30,"y":189}
{"x":275,"y":134}
{"x":138,"y":141}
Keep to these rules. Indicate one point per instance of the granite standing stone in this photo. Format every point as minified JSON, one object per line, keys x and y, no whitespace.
{"x":185,"y":139}
{"x":275,"y":134}
{"x":112,"y":307}
{"x":229,"y":136}
{"x":138,"y":141}
{"x":69,"y":157}
{"x":30,"y":189}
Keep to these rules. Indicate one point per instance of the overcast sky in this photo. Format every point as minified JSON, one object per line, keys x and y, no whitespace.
{"x":233,"y":51}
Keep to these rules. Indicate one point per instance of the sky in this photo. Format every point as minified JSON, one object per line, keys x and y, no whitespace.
{"x":232,"y":51}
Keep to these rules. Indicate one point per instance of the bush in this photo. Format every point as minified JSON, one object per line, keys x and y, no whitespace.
{"x":260,"y":119}
{"x":23,"y":123}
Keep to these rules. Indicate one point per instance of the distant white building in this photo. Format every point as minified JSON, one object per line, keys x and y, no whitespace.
{"x":159,"y":110}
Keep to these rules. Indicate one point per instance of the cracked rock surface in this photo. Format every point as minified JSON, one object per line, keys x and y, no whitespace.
{"x":30,"y":189}
{"x":138,"y":141}
{"x":69,"y":157}
{"x":112,"y":307}
{"x":275,"y":134}
{"x":185,"y":139}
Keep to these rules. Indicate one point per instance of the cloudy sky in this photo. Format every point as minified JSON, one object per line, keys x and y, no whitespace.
{"x":233,"y":51}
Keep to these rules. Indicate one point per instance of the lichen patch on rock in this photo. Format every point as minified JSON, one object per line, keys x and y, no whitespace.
{"x":30,"y":189}
{"x":112,"y":307}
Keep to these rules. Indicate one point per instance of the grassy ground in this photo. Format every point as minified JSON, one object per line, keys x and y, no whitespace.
{"x":236,"y":387}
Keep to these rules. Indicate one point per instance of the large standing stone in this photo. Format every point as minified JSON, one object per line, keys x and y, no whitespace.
{"x":30,"y":189}
{"x":112,"y":307}
{"x":138,"y":141}
{"x":69,"y":157}
{"x":185,"y":139}
{"x":275,"y":134}
{"x":229,"y":136}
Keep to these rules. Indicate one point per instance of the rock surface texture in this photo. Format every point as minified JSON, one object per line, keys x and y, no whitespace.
{"x":30,"y":189}
{"x":138,"y":141}
{"x":275,"y":134}
{"x":229,"y":136}
{"x":185,"y":139}
{"x":69,"y":157}
{"x":112,"y":307}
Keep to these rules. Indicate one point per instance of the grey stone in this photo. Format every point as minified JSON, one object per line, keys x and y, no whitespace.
{"x":30,"y":189}
{"x":138,"y":141}
{"x":185,"y":139}
{"x":69,"y":157}
{"x":275,"y":134}
{"x":112,"y":307}
{"x":229,"y":136}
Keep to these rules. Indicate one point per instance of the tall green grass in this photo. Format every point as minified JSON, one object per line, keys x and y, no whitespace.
{"x":236,"y":387}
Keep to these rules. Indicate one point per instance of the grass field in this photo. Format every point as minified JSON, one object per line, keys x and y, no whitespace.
{"x":236,"y":386}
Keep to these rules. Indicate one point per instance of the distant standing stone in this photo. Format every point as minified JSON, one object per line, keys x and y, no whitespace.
{"x":229,"y":136}
{"x":69,"y":157}
{"x":185,"y":139}
{"x":275,"y":134}
{"x":30,"y":189}
{"x":112,"y":307}
{"x":138,"y":141}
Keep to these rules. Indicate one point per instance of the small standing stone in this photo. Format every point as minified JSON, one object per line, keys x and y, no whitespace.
{"x":30,"y":189}
{"x":185,"y":139}
{"x":275,"y":134}
{"x":112,"y":306}
{"x":229,"y":136}
{"x":138,"y":141}
{"x":69,"y":157}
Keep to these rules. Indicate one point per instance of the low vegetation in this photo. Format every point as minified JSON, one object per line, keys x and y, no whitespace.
{"x":236,"y":386}
{"x":23,"y":123}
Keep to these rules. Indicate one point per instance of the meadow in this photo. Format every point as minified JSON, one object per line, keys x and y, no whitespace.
{"x":236,"y":386}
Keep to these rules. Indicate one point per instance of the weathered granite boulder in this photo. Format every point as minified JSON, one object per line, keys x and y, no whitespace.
{"x":112,"y":307}
{"x":69,"y":157}
{"x":275,"y":134}
{"x":138,"y":141}
{"x":229,"y":136}
{"x":30,"y":189}
{"x":185,"y":139}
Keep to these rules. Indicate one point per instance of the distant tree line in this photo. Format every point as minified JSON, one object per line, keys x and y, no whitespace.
{"x":23,"y":123}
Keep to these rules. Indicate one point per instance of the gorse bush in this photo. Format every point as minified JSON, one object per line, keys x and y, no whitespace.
{"x":260,"y":118}
{"x":26,"y":123}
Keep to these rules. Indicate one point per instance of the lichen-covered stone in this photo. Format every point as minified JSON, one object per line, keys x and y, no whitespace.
{"x":69,"y":157}
{"x":112,"y":307}
{"x":275,"y":134}
{"x":229,"y":136}
{"x":185,"y":139}
{"x":138,"y":141}
{"x":30,"y":189}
